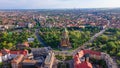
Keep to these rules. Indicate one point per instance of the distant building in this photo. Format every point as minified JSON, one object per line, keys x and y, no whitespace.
{"x":23,"y":45}
{"x":30,"y":25}
{"x":6,"y":27}
{"x":30,"y":39}
{"x":81,"y":26}
{"x":65,"y":39}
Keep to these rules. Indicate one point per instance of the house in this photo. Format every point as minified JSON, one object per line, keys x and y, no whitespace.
{"x":16,"y":61}
{"x":30,"y":25}
{"x":81,"y":26}
{"x":23,"y":45}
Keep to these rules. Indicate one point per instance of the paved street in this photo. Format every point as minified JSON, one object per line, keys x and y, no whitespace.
{"x":40,"y":39}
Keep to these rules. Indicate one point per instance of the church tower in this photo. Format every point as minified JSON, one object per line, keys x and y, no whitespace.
{"x":65,"y":39}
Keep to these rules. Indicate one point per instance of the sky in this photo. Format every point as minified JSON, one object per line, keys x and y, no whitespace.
{"x":58,"y":4}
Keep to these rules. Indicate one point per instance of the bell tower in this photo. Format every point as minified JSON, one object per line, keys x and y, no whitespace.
{"x":65,"y":39}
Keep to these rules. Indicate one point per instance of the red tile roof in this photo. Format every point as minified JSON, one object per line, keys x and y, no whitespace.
{"x":24,"y":52}
{"x":79,"y":64}
{"x":92,"y":52}
{"x":85,"y":65}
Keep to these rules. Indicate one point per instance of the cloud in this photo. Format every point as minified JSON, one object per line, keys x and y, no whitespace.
{"x":37,"y":4}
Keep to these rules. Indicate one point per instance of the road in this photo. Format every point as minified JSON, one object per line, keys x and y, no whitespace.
{"x":40,"y":39}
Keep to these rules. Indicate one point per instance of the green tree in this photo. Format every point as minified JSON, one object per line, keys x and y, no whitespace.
{"x":103,"y":39}
{"x":112,"y":47}
{"x":10,"y":45}
{"x":118,"y":54}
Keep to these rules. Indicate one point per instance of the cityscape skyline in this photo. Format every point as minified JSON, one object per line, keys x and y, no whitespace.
{"x":58,"y":4}
{"x":59,"y":34}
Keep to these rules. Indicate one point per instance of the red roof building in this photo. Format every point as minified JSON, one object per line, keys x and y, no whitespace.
{"x":85,"y":64}
{"x":23,"y":52}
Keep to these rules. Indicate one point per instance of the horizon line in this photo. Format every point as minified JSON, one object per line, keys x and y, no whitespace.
{"x":58,"y":8}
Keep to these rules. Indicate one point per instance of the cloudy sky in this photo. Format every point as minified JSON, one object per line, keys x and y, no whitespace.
{"x":53,"y":4}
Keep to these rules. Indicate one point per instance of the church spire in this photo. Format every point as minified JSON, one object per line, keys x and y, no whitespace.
{"x":65,"y":38}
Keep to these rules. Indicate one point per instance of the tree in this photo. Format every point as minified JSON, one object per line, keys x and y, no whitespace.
{"x":111,"y":45}
{"x":87,"y":33}
{"x":4,"y":44}
{"x":118,"y":54}
{"x":118,"y":33}
{"x":10,"y":45}
{"x":103,"y":39}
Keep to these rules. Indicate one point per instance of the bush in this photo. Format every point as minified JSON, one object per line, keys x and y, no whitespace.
{"x":118,"y":54}
{"x":59,"y":57}
{"x":69,"y":57}
{"x":118,"y":62}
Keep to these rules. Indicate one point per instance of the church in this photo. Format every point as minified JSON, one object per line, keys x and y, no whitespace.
{"x":65,"y":43}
